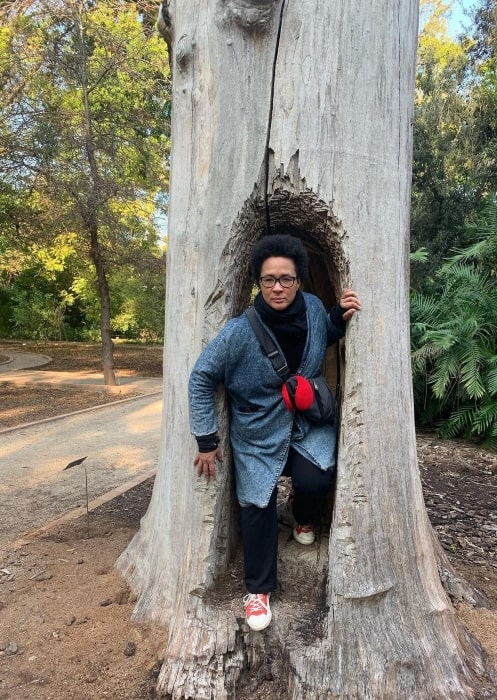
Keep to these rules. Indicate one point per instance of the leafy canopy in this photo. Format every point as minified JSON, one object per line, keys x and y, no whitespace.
{"x":84,"y":139}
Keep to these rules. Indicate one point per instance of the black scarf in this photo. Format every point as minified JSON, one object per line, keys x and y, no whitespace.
{"x":288,"y":325}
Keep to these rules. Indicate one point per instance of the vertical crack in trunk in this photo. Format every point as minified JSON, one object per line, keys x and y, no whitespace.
{"x":270,"y":120}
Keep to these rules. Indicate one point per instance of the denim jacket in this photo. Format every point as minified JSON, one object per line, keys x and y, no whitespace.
{"x":261,"y":427}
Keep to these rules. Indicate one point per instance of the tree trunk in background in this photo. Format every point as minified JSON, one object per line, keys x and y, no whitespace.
{"x":105,"y":312}
{"x":90,"y":212}
{"x":297,"y":116}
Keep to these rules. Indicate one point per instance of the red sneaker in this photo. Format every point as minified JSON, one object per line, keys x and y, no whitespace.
{"x":257,"y":610}
{"x":304,"y":534}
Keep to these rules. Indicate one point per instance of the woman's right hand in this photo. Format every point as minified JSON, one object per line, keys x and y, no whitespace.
{"x":349,"y":301}
{"x":205,"y":463}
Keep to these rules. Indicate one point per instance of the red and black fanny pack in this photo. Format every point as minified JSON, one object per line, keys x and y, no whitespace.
{"x":314,"y":398}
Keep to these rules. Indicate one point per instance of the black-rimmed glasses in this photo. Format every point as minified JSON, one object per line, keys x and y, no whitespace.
{"x":285,"y":281}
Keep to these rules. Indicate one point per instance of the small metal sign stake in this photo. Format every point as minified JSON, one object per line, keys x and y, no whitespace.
{"x":76,"y":463}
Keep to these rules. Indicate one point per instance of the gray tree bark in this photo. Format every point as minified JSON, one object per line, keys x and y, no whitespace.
{"x":297,"y":116}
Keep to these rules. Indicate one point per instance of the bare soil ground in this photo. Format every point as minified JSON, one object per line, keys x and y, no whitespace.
{"x":129,"y":359}
{"x":22,"y":404}
{"x":25,"y":404}
{"x":65,"y":627}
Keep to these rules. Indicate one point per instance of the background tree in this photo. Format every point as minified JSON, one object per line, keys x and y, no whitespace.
{"x":484,"y":31}
{"x":482,"y":79}
{"x":444,"y":196}
{"x":83,"y":116}
{"x":296,"y":116}
{"x":454,"y":165}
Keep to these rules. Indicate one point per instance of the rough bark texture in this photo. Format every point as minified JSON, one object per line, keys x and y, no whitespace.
{"x":297,"y":115}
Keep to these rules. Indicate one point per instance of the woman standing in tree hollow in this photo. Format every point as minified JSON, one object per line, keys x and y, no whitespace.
{"x":269,"y":441}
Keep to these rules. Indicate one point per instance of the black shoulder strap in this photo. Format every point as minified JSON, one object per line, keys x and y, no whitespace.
{"x":268,"y":345}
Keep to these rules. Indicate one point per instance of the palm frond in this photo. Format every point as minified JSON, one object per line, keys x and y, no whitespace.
{"x":458,"y":423}
{"x":470,"y":370}
{"x":490,"y":443}
{"x":454,"y":340}
{"x":491,"y":381}
{"x":442,"y":338}
{"x":424,"y":308}
{"x":419,"y":256}
{"x":465,"y":255}
{"x":485,"y":234}
{"x":484,"y":418}
{"x":444,"y":374}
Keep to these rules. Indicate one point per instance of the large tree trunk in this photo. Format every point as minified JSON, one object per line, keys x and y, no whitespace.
{"x":297,"y":116}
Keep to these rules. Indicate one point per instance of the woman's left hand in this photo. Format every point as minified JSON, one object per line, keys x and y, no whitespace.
{"x":350,"y":302}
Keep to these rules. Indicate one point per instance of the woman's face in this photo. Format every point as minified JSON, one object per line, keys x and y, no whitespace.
{"x":279,"y":297}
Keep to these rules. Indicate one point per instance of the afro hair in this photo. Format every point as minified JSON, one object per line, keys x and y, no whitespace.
{"x":279,"y":245}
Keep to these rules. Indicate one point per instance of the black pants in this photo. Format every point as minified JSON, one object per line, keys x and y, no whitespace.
{"x":260,"y":525}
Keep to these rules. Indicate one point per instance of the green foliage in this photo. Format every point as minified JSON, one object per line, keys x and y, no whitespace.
{"x":454,"y":341}
{"x":484,"y":31}
{"x":84,"y":142}
{"x":37,"y":315}
{"x":454,"y":300}
{"x":36,"y":301}
{"x":483,"y":250}
{"x":455,"y":131}
{"x":54,"y":296}
{"x":138,"y":302}
{"x":5,"y":314}
{"x":419,"y":256}
{"x":139,"y":305}
{"x":444,"y":195}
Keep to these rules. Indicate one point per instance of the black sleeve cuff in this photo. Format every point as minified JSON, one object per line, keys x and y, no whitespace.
{"x":207,"y":443}
{"x":336,"y":317}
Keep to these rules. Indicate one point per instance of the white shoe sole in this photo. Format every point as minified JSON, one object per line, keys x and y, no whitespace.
{"x":258,"y":627}
{"x":305,"y":539}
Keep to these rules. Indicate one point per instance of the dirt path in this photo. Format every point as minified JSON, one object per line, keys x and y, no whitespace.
{"x":22,"y":360}
{"x":120,"y":441}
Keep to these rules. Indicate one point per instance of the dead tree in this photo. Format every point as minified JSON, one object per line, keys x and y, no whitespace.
{"x":297,"y":116}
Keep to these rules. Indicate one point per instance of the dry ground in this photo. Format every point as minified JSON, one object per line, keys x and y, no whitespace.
{"x":24,"y":404}
{"x":65,"y":629}
{"x":129,"y":359}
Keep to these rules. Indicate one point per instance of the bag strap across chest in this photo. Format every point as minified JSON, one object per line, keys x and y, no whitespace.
{"x":268,"y":345}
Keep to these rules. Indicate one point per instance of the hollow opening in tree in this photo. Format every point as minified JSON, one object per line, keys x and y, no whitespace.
{"x":306,"y":217}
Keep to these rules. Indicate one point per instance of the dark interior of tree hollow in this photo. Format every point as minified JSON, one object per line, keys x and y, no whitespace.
{"x":305,"y":216}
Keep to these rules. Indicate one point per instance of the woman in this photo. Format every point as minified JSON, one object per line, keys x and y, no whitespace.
{"x":267,"y":439}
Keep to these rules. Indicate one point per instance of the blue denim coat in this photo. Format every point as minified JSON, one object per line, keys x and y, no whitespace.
{"x":262,"y":428}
